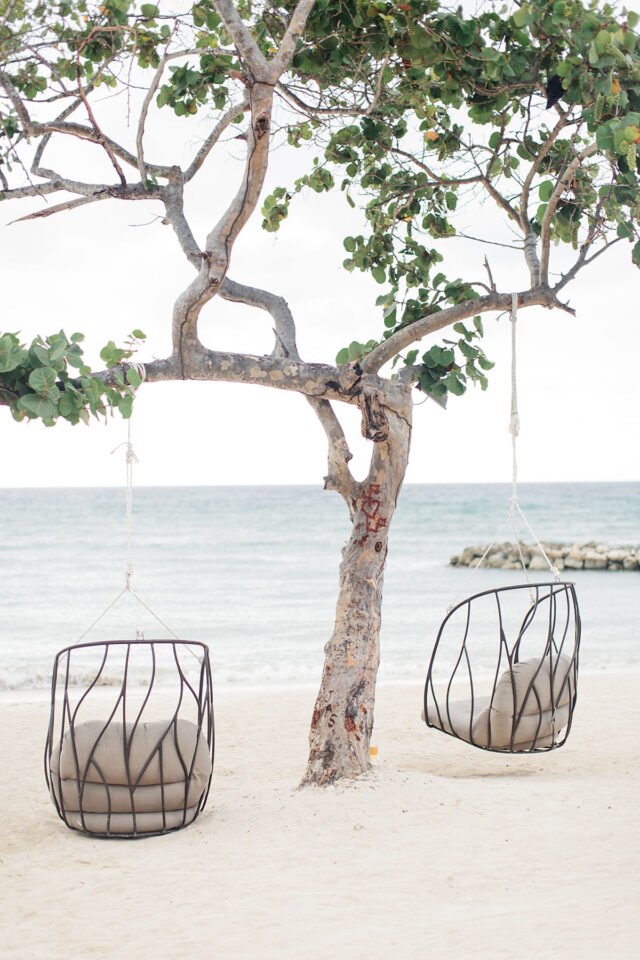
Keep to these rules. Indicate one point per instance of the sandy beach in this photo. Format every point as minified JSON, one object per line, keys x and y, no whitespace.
{"x":442,"y":851}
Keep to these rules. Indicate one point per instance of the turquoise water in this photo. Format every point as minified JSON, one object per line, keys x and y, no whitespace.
{"x":253,"y":571}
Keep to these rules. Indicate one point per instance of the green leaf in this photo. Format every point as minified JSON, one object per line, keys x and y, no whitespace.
{"x":545,"y":190}
{"x":125,"y":406}
{"x":379,"y":274}
{"x":523,"y":16}
{"x":342,"y":356}
{"x":43,"y":381}
{"x":133,"y":377}
{"x":603,"y":41}
{"x":485,"y":364}
{"x":447,"y":357}
{"x":37,"y":406}
{"x":635,"y":254}
{"x":469,"y":352}
{"x":138,"y":334}
{"x":11,"y":353}
{"x":149,"y":11}
{"x":454,"y":385}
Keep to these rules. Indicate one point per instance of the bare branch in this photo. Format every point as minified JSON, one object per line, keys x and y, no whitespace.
{"x":442,"y":181}
{"x":492,"y":284}
{"x":16,"y":101}
{"x":502,"y":202}
{"x":276,"y":306}
{"x":287,"y":94}
{"x":210,"y":142}
{"x":33,"y":190}
{"x":157,"y":77}
{"x":173,"y":197}
{"x":584,"y":261}
{"x":561,"y":186}
{"x":102,"y":140}
{"x":293,"y":33}
{"x":533,"y":171}
{"x":339,"y":477}
{"x":86,"y":133}
{"x":243,"y":40}
{"x":385,"y":351}
{"x":59,"y":207}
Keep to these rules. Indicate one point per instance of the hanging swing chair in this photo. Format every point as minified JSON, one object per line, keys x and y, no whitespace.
{"x":522,"y":639}
{"x":130,"y":746}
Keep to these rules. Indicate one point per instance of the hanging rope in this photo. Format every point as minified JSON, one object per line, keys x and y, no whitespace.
{"x":515,"y":510}
{"x":131,"y":459}
{"x":514,"y":429}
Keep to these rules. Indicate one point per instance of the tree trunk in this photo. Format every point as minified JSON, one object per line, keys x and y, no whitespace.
{"x":342,"y":719}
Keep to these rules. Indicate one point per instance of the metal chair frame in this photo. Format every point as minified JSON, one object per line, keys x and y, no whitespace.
{"x":63,"y":720}
{"x":557,"y":644}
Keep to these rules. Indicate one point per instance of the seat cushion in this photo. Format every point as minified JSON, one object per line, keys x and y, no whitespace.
{"x":520,"y":716}
{"x":117,"y":769}
{"x":457,"y":719}
{"x":122,"y":824}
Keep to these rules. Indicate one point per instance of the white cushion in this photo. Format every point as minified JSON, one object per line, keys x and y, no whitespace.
{"x":114,"y":770}
{"x":521,"y":709}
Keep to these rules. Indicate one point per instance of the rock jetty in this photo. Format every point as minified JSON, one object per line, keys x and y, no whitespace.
{"x":574,"y":556}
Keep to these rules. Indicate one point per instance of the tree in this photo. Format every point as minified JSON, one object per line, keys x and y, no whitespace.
{"x":420,"y":111}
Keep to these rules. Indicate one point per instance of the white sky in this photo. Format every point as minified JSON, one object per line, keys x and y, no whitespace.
{"x":98,"y":270}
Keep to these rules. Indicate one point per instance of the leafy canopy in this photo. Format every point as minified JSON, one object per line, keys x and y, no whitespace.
{"x":413,"y":110}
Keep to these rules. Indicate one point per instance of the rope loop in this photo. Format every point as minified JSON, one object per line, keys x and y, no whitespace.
{"x":139,"y":368}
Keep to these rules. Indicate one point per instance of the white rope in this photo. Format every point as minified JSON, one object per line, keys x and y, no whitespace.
{"x":514,"y":429}
{"x":139,"y":368}
{"x":514,"y":506}
{"x":131,"y":458}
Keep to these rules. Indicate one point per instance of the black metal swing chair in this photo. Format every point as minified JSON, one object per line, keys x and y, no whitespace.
{"x":127,"y":756}
{"x":530,"y":693}
{"x":130,"y":744}
{"x":526,"y":648}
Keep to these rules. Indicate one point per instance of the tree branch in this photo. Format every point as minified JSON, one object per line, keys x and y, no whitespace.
{"x":60,"y":207}
{"x":210,"y":142}
{"x":293,"y":33}
{"x":385,"y":351}
{"x":561,"y":186}
{"x":584,"y":261}
{"x":243,"y":40}
{"x":82,"y":132}
{"x":339,"y":477}
{"x":157,"y":77}
{"x":535,"y":167}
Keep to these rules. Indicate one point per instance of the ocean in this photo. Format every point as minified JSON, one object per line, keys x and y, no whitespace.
{"x":253,"y":572}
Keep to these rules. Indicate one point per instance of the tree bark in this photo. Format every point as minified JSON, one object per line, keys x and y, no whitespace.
{"x":342,"y":720}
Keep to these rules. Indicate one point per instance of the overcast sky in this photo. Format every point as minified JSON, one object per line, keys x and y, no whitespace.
{"x":102,"y":271}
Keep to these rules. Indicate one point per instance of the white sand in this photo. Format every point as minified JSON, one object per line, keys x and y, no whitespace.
{"x":442,"y":852}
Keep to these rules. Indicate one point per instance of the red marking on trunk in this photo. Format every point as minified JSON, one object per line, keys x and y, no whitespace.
{"x":371,"y":509}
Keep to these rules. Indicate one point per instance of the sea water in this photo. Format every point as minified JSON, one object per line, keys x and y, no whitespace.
{"x":253,"y":572}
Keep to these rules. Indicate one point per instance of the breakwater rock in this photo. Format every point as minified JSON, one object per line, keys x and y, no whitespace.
{"x":574,"y":556}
